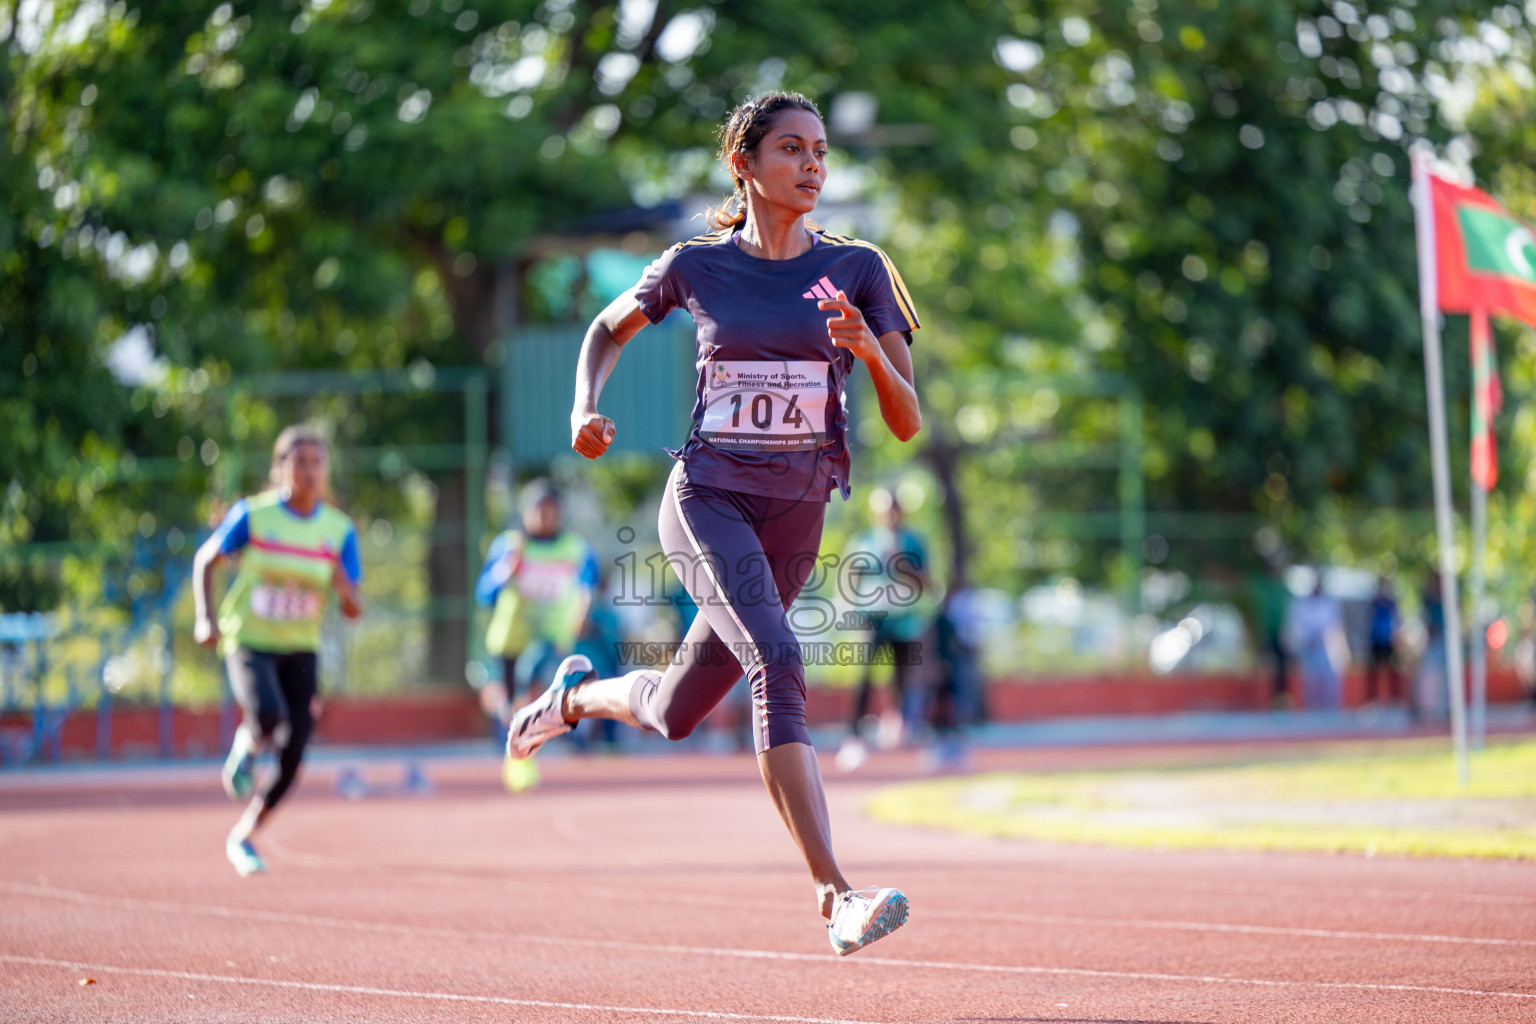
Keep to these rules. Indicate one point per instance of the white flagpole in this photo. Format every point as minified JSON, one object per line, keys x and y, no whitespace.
{"x":1478,"y":639}
{"x":1434,"y":384}
{"x":1478,"y":719}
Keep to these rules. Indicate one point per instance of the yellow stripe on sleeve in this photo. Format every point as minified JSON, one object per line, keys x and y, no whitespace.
{"x":898,"y":287}
{"x":709,"y":239}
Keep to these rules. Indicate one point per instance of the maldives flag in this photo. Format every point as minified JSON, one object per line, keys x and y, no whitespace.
{"x":1486,"y":258}
{"x":1486,"y":265}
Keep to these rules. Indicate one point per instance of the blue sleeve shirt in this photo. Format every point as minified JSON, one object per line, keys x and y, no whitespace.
{"x":351,"y":561}
{"x":234,"y":533}
{"x":492,"y":576}
{"x":912,"y":544}
{"x":590,"y":573}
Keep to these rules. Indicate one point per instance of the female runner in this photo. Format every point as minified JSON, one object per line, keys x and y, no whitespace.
{"x":742,"y":515}
{"x":292,"y":546}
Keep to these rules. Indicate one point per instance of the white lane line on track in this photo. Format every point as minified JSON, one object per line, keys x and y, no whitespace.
{"x":1110,"y":922}
{"x":397,"y":993}
{"x":703,"y":899}
{"x":281,"y":917}
{"x":1242,"y":929}
{"x":710,"y":900}
{"x":1083,"y":972}
{"x":1094,"y":879}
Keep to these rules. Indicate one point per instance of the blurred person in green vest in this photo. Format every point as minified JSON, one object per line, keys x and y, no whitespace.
{"x":887,"y":582}
{"x":293,"y":547}
{"x":539,"y":581}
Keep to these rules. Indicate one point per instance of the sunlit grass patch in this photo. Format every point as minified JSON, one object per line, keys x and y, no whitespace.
{"x":1390,"y":800}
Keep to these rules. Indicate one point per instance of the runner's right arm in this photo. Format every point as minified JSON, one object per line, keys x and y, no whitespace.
{"x":501,"y":564}
{"x":230,"y":536}
{"x":592,"y":432}
{"x":205,"y":630}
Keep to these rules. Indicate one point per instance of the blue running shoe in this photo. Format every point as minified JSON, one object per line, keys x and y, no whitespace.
{"x":244,"y":857}
{"x":544,"y":719}
{"x":239,"y":775}
{"x":859,"y":918}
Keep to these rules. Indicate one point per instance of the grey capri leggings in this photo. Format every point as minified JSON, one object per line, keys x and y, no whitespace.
{"x":743,"y":558}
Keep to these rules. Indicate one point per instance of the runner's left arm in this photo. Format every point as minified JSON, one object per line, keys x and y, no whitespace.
{"x":888,"y":360}
{"x":227,"y":539}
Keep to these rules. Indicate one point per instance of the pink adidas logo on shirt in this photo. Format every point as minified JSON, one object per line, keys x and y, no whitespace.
{"x":823,"y":289}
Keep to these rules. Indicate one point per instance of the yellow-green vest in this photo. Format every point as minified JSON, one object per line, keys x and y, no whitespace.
{"x":539,"y":601}
{"x":277,"y":599}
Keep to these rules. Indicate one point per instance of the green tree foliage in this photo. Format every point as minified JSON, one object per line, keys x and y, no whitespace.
{"x":66,"y":423}
{"x":1500,"y":137}
{"x":1206,"y":199}
{"x":1210,"y":200}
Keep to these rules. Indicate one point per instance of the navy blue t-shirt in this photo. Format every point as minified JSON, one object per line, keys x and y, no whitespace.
{"x":769,"y":414}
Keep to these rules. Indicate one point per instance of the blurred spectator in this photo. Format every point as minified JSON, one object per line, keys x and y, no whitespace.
{"x":540,"y":580}
{"x":1270,"y":600}
{"x":957,"y":638}
{"x":889,"y":579}
{"x":1383,"y":645}
{"x":1314,"y":633}
{"x":1525,"y":648}
{"x":1430,"y":699}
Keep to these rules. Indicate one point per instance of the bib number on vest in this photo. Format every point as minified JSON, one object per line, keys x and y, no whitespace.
{"x":545,"y":581}
{"x":284,"y":604}
{"x":765,"y":405}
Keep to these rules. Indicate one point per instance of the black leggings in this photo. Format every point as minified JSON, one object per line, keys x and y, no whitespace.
{"x":274,"y":691}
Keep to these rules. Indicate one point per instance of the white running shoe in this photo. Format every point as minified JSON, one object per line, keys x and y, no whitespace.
{"x":859,"y":918}
{"x":238,"y":775}
{"x":244,"y":857}
{"x":544,"y":719}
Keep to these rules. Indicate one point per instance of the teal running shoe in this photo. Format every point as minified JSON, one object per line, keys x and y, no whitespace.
{"x":859,"y":918}
{"x":244,"y":857}
{"x":239,"y":774}
{"x":544,"y":718}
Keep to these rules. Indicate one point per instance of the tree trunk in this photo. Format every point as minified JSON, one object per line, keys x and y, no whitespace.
{"x":484,"y":305}
{"x":943,"y":456}
{"x":448,"y":583}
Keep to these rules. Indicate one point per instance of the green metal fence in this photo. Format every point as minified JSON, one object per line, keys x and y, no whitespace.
{"x":649,"y":394}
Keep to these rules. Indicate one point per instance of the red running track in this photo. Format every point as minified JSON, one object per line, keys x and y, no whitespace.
{"x":664,"y":889}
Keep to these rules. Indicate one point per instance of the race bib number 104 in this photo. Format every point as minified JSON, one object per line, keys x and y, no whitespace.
{"x":765,"y":405}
